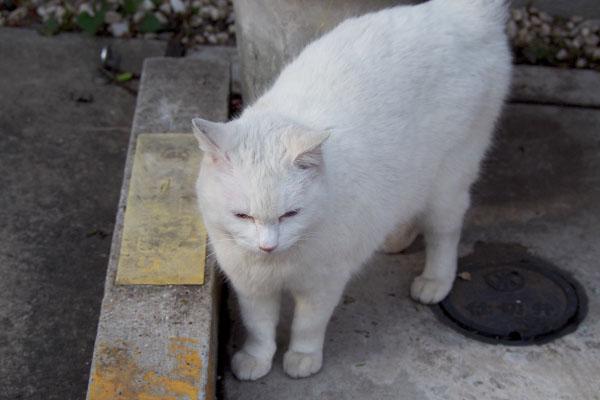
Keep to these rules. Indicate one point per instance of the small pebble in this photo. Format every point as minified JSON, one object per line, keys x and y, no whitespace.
{"x":178,"y":6}
{"x":592,"y":40}
{"x":562,"y":55}
{"x":112,"y":17}
{"x":196,"y":21}
{"x":17,"y":14}
{"x":546,"y":17}
{"x":165,"y":8}
{"x":517,"y":15}
{"x":147,"y":5}
{"x":511,"y":29}
{"x":222,"y":37}
{"x":161,"y":17}
{"x":86,"y":7}
{"x":545,"y":30}
{"x":119,"y":29}
{"x":59,"y":13}
{"x":138,"y":16}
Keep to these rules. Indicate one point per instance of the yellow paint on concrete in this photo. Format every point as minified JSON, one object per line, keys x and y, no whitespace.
{"x":118,"y":376}
{"x":164,"y":239}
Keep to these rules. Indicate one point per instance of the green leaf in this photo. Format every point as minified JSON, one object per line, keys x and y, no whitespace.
{"x":90,"y":24}
{"x":124,"y":76}
{"x":149,"y":23}
{"x":130,"y":6}
{"x":51,"y":26}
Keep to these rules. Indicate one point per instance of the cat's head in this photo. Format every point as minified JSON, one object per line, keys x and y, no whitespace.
{"x":261,"y":181}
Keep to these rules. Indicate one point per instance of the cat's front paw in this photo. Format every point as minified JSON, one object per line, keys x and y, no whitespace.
{"x":301,"y":365}
{"x":430,"y":291}
{"x":246,"y":367}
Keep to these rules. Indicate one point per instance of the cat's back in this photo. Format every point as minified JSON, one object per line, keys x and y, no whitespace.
{"x":399,"y":57}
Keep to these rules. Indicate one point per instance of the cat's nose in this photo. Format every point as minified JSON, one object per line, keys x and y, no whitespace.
{"x":267,"y":249}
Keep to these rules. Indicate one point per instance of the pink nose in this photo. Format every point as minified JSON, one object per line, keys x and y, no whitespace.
{"x":267,"y":249}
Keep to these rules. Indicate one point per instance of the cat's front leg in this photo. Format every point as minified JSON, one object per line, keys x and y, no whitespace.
{"x":260,"y":314}
{"x":311,"y":315}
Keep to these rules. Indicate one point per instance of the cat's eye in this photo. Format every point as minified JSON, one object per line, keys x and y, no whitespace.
{"x":243,"y":216}
{"x":289,"y":214}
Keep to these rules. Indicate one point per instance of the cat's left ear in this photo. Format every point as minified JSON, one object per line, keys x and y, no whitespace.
{"x":210,"y":137}
{"x":304,"y":146}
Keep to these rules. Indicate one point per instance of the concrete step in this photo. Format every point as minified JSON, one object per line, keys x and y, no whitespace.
{"x":160,"y":341}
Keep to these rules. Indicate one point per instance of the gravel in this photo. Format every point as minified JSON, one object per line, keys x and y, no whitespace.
{"x":542,"y":39}
{"x":536,"y":37}
{"x":189,"y":21}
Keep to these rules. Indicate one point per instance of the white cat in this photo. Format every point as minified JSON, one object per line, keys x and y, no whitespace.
{"x":376,"y":130}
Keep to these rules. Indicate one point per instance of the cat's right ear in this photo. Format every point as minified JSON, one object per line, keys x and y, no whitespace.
{"x":209,"y":134}
{"x":305,"y":146}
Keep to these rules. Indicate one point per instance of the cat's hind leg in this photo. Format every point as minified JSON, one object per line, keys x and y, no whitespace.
{"x":260,"y":314}
{"x":443,"y":219}
{"x":442,"y":228}
{"x":400,"y":238}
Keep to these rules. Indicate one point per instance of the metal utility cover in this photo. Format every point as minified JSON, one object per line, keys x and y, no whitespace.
{"x":164,"y":239}
{"x":524,"y":301}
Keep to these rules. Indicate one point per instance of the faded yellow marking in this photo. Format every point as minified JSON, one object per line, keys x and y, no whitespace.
{"x":164,"y":239}
{"x":117,"y":375}
{"x":152,"y":268}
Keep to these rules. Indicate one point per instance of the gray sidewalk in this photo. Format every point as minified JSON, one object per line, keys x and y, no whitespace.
{"x":62,"y":166}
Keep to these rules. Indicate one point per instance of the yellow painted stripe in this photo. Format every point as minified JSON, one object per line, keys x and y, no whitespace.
{"x":119,"y":374}
{"x":164,"y":239}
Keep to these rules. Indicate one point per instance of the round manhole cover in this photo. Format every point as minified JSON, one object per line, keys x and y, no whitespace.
{"x":526,"y":301}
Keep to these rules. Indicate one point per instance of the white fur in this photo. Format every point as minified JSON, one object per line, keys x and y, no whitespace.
{"x":379,"y":125}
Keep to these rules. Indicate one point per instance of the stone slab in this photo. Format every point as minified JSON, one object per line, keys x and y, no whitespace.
{"x":152,"y":332}
{"x":540,"y":188}
{"x":164,"y":239}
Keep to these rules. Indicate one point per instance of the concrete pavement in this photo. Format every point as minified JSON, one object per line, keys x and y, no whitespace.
{"x":62,"y":166}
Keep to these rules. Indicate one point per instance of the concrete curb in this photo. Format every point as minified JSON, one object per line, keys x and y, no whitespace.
{"x":161,"y":340}
{"x":556,"y":86}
